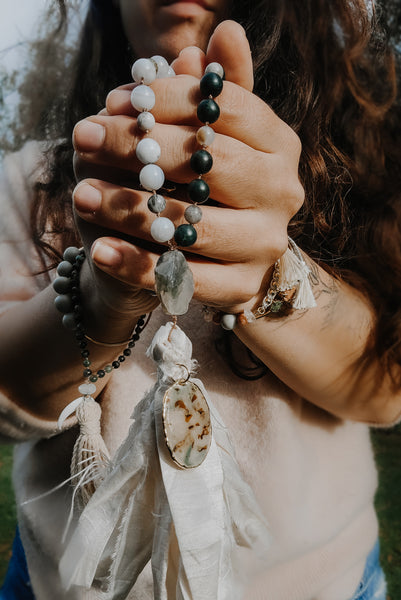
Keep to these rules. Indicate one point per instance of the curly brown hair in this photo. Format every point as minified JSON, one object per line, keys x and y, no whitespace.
{"x":329,"y":69}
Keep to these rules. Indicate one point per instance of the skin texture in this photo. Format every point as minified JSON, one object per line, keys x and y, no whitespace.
{"x":255,"y":184}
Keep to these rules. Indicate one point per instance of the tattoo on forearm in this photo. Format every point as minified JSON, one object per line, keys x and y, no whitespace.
{"x":321,"y":288}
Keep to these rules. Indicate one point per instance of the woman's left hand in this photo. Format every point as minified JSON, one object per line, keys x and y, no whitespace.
{"x":254,"y":179}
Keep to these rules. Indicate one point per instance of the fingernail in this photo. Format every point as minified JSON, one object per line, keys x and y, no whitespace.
{"x":103,"y":254}
{"x":87,"y":199}
{"x":88,"y":136}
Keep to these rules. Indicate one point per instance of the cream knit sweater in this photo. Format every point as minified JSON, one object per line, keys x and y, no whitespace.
{"x":313,"y":474}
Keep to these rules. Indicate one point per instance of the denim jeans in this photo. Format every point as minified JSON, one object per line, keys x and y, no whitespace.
{"x":373,"y":584}
{"x":17,"y":585}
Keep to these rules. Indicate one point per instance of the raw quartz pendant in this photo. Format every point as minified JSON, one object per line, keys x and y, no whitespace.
{"x":187,"y":424}
{"x":174,"y":282}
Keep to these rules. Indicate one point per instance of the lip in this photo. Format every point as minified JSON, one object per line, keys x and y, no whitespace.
{"x":185,"y":5}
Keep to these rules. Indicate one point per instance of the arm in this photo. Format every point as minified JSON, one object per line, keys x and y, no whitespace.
{"x":255,"y":182}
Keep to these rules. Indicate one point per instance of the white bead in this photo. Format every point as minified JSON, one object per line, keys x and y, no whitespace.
{"x":205,"y":136}
{"x":143,"y":71}
{"x":151,"y":177}
{"x":215,"y":67}
{"x":148,"y":151}
{"x":171,"y":72}
{"x":146,"y":121}
{"x":143,"y":97}
{"x":162,"y":66}
{"x":228,"y":321}
{"x":162,"y":229}
{"x":86,"y":389}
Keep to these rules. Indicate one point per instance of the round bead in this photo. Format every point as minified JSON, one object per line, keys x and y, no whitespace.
{"x":144,"y":71}
{"x":108,"y":368}
{"x":208,"y":111}
{"x":93,"y":378}
{"x":162,"y":229}
{"x":86,"y":362}
{"x":86,"y":389}
{"x":146,"y":121}
{"x":185,"y":235}
{"x":62,"y":285}
{"x":211,"y":84}
{"x":156,"y":203}
{"x":148,"y":151}
{"x":70,"y":254}
{"x":101,"y":373}
{"x":151,"y":177}
{"x":87,"y":372}
{"x":162,"y":66}
{"x":215,"y":67}
{"x":205,"y":136}
{"x":228,"y":321}
{"x":115,"y":364}
{"x":64,"y":269}
{"x":143,"y":98}
{"x":63,"y":303}
{"x":193,"y":214}
{"x":201,"y":162}
{"x":198,"y":191}
{"x":68,"y":321}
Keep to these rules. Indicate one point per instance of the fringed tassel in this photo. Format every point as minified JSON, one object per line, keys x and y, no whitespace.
{"x":193,"y":524}
{"x":90,"y":458}
{"x":294,"y":272}
{"x":90,"y":455}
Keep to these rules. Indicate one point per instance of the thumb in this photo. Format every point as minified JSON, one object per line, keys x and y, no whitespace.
{"x":229,"y":47}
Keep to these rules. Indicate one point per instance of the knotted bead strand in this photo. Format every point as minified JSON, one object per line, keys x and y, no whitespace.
{"x":201,"y":161}
{"x":151,"y":176}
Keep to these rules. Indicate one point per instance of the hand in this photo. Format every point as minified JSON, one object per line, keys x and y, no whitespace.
{"x":254,"y":179}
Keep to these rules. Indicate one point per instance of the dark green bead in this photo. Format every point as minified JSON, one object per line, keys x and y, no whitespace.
{"x":185,"y":235}
{"x":208,"y":111}
{"x":198,"y":191}
{"x":115,"y":364}
{"x":93,"y":378}
{"x":101,"y":373}
{"x":108,"y":368}
{"x":201,"y":161}
{"x":211,"y":84}
{"x":87,"y":372}
{"x":86,"y":363}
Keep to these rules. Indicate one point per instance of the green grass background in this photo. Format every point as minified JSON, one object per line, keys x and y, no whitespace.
{"x":387,"y":445}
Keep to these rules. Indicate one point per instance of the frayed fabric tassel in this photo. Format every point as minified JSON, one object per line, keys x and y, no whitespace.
{"x":294,"y":272}
{"x":90,"y":458}
{"x":193,"y":524}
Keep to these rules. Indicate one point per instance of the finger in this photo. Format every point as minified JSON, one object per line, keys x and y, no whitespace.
{"x":229,"y":47}
{"x":215,"y":284}
{"x":191,"y":61}
{"x":223,"y":233}
{"x":243,"y":115}
{"x":236,"y":166}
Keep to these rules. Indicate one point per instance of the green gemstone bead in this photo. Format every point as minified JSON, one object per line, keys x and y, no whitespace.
{"x":185,"y":235}
{"x":93,"y":378}
{"x":108,"y":368}
{"x":87,"y":363}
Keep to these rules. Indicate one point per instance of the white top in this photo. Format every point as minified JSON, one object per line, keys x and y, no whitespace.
{"x":312,"y":473}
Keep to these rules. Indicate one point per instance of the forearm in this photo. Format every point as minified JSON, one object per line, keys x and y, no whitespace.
{"x":318,"y":353}
{"x":40,"y":362}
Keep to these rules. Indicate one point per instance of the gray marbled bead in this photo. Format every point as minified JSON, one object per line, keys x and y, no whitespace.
{"x":156,"y":203}
{"x":70,"y":254}
{"x":62,"y":285}
{"x":193,"y":214}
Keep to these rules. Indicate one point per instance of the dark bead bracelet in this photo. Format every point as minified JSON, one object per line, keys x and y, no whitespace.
{"x":68,"y":302}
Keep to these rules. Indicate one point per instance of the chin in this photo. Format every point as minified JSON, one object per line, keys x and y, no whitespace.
{"x":172,"y":41}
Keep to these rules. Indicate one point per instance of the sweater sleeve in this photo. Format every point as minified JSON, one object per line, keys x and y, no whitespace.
{"x":20,"y":265}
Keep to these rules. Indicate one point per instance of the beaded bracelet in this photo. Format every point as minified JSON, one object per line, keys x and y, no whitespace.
{"x":68,"y":302}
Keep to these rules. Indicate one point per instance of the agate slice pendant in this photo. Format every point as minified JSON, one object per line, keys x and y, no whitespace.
{"x":187,"y":425}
